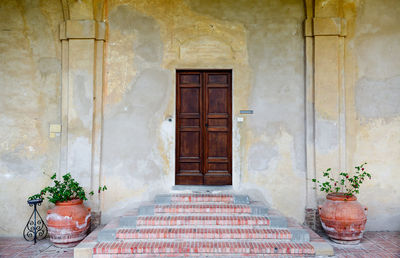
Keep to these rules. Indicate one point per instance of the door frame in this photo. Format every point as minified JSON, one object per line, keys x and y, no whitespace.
{"x":229,"y":70}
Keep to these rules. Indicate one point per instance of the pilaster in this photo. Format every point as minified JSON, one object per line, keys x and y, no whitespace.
{"x":324,"y":29}
{"x":82,"y":40}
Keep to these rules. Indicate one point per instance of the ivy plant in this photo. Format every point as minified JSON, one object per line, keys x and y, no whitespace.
{"x":346,"y":183}
{"x":65,"y":190}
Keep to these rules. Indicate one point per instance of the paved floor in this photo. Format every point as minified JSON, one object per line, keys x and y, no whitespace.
{"x":18,"y":247}
{"x":374,"y":244}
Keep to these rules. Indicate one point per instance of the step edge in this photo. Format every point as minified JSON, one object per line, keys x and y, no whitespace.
{"x":322,"y":248}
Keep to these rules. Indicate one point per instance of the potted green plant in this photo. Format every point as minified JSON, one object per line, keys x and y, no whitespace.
{"x":68,"y":222}
{"x":342,"y":216}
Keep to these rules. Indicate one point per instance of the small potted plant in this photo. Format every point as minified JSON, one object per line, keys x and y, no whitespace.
{"x":68,"y":222}
{"x":342,"y":216}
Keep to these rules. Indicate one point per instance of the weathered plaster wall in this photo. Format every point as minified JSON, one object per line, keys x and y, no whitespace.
{"x":261,"y":41}
{"x":373,"y":106}
{"x":29,"y":103}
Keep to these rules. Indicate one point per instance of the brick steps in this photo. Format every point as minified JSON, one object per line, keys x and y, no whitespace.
{"x":202,"y":247}
{"x":201,"y":225}
{"x":203,"y":233}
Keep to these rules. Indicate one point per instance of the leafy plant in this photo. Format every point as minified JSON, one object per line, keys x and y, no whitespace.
{"x":65,"y":190}
{"x":347,"y":184}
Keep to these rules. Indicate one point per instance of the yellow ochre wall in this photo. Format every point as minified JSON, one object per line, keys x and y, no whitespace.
{"x":373,"y":105}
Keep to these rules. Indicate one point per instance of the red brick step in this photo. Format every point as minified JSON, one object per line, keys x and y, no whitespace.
{"x":191,"y":198}
{"x":203,"y":233}
{"x":213,"y":220}
{"x":202,"y":247}
{"x":203,"y":208}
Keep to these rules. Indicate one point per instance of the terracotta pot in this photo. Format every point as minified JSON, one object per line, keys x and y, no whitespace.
{"x":343,"y":218}
{"x":68,"y":223}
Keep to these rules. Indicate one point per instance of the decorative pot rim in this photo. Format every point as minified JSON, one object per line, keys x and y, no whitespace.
{"x":340,"y":197}
{"x":70,"y":202}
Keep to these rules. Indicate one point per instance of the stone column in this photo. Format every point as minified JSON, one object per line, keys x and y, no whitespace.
{"x":325,"y":111}
{"x":82,"y":87}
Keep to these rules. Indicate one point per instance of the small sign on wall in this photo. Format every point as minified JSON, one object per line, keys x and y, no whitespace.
{"x":246,"y":112}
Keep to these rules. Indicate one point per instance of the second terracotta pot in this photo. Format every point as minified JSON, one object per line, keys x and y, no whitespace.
{"x":343,"y":218}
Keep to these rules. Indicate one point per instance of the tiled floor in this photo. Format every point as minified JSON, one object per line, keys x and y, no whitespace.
{"x":374,"y":244}
{"x":18,"y":247}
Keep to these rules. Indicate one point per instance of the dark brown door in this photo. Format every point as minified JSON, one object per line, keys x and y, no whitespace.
{"x":203,"y":128}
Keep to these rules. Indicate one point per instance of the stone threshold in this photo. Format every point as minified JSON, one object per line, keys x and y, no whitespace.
{"x":201,"y":188}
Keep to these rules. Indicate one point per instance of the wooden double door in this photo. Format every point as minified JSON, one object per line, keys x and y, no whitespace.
{"x":203,"y":127}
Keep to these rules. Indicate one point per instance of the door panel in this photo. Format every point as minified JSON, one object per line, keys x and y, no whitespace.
{"x":218,"y":133}
{"x":190,"y":100}
{"x":217,"y":103}
{"x":189,"y":135}
{"x":190,"y":144}
{"x":204,"y":128}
